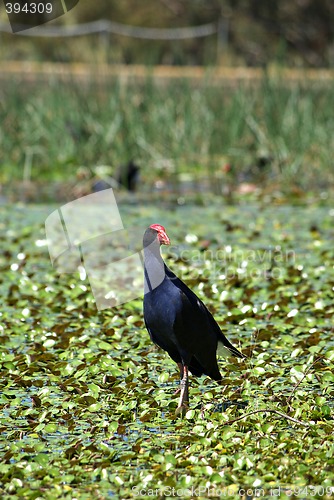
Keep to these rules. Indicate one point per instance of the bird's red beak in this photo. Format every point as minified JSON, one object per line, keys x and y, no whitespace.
{"x":162,"y":235}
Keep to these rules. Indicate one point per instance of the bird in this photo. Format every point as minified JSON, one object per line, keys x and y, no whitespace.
{"x":129,"y":176}
{"x":178,"y":321}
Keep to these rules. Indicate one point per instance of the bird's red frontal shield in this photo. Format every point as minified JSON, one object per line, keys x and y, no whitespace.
{"x":162,"y":235}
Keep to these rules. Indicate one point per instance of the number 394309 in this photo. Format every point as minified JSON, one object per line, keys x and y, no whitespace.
{"x":28,"y":8}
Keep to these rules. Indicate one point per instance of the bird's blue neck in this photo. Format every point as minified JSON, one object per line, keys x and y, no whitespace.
{"x":154,"y":267}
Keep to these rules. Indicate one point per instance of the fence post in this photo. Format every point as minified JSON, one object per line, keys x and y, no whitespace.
{"x":104,"y":45}
{"x":222,"y":39}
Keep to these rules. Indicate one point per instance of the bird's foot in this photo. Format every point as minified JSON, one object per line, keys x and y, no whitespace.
{"x":181,"y":410}
{"x":177,"y":391}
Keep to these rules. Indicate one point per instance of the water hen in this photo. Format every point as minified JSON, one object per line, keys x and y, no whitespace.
{"x":178,"y":321}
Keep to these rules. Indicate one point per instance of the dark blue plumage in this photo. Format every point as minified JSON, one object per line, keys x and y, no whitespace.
{"x":177,"y":320}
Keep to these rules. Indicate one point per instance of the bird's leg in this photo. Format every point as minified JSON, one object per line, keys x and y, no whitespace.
{"x":184,"y":396}
{"x":180,"y":365}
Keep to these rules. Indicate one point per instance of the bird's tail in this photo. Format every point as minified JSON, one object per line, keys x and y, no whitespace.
{"x":226,"y":349}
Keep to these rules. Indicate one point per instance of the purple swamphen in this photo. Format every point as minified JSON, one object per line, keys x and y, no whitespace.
{"x":177,"y":320}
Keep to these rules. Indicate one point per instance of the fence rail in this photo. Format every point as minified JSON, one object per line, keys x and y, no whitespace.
{"x":105,"y":26}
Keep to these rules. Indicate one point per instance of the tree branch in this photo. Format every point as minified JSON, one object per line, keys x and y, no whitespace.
{"x":281,"y":414}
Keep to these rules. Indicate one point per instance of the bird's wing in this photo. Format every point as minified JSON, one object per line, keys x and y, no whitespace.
{"x":224,"y":345}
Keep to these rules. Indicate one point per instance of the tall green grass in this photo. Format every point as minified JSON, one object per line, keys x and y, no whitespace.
{"x":48,"y":131}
